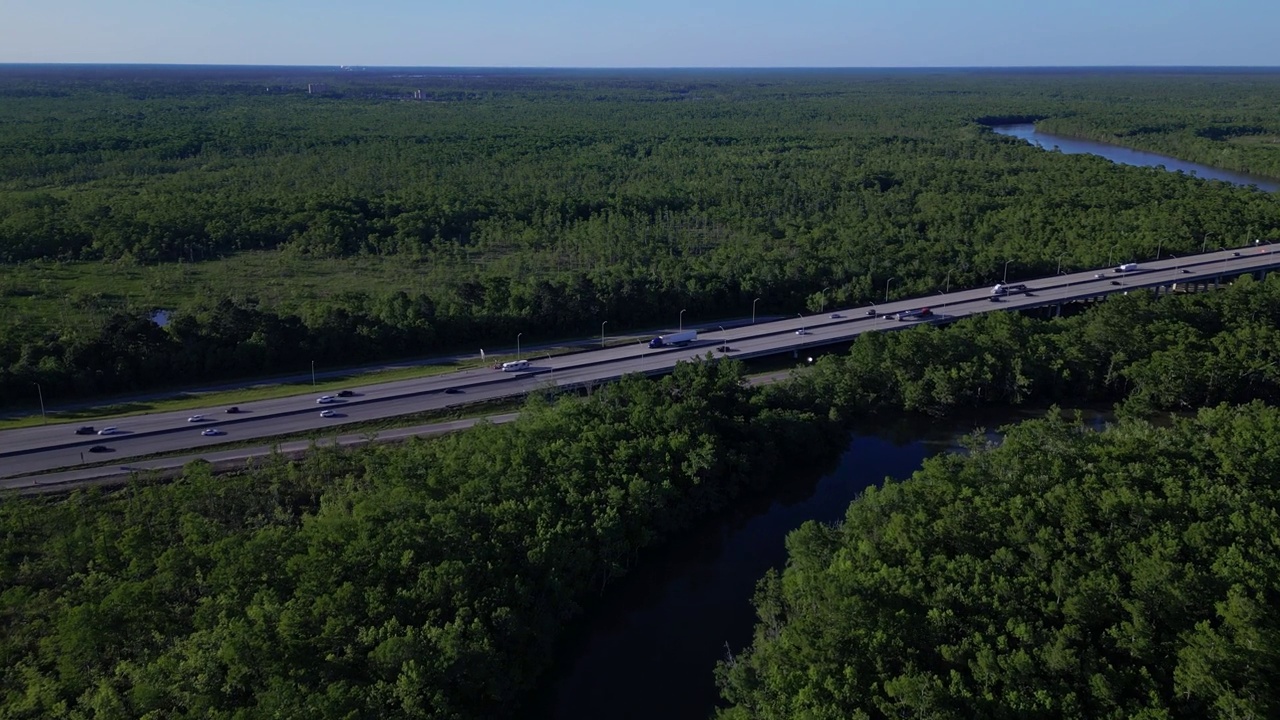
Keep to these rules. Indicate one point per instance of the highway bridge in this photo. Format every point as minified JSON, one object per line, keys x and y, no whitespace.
{"x":51,"y":447}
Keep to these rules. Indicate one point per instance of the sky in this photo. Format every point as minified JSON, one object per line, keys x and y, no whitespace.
{"x":649,"y":33}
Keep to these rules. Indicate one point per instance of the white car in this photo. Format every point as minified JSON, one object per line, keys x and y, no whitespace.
{"x":210,"y":432}
{"x":325,"y":399}
{"x":196,"y":418}
{"x":108,"y":431}
{"x":802,"y":331}
{"x":326,"y":413}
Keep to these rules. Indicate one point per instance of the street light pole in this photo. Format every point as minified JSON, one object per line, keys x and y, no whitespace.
{"x":1005,"y":278}
{"x":886,"y":289}
{"x":44,"y":419}
{"x":682,"y":319}
{"x":313,"y":373}
{"x":946,"y":286}
{"x":824,"y":298}
{"x":1159,"y":245}
{"x":606,"y":322}
{"x":518,"y":344}
{"x":753,"y":310}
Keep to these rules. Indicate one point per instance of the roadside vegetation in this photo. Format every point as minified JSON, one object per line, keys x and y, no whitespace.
{"x":432,"y":578}
{"x":364,"y":225}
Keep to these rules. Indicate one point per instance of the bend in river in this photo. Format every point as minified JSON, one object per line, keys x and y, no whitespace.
{"x":1128,"y":156}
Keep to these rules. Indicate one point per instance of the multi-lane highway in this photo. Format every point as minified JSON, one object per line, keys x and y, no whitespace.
{"x":45,"y":448}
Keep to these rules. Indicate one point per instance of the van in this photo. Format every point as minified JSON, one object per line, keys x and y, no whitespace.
{"x":515,"y":365}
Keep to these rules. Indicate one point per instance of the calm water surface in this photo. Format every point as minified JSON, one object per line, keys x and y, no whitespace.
{"x":649,"y":649}
{"x":1126,"y":156}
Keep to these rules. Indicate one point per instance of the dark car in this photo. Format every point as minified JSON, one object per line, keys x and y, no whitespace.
{"x":345,"y":393}
{"x":99,"y":449}
{"x":871,"y":312}
{"x":85,"y":430}
{"x":233,"y":410}
{"x":724,"y":348}
{"x":1115,"y":282}
{"x":452,"y":391}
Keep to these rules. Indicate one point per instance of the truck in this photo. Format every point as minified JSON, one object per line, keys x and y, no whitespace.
{"x":1127,"y":267}
{"x":680,"y":338}
{"x":1001,"y":289}
{"x":914,"y":314}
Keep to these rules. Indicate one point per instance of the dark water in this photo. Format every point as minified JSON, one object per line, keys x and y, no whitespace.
{"x":1125,"y":156}
{"x":649,"y":649}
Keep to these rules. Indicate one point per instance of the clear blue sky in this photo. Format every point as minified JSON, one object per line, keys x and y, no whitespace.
{"x":654,"y":33}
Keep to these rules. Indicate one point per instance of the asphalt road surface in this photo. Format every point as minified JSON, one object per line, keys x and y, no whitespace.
{"x":39,"y":449}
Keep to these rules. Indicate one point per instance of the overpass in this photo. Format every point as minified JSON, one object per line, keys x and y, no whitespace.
{"x":45,"y":448}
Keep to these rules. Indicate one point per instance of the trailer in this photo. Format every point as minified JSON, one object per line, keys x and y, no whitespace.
{"x":919,"y":314}
{"x":515,"y":366}
{"x":680,"y":338}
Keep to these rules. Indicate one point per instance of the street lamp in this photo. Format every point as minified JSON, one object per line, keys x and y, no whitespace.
{"x":518,"y":344}
{"x":682,"y":320}
{"x":753,"y":310}
{"x":824,"y":298}
{"x":1059,"y":272}
{"x":606,"y":322}
{"x":44,"y":419}
{"x":1005,"y":277}
{"x":886,"y":289}
{"x":313,"y":373}
{"x":946,"y":286}
{"x":1159,"y":244}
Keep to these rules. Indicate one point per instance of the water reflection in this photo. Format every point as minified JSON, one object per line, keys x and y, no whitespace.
{"x":1127,"y":156}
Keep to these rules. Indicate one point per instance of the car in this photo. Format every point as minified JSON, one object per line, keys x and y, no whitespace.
{"x":994,"y":298}
{"x":836,"y":316}
{"x":325,"y":399}
{"x":871,"y":312}
{"x":210,"y":432}
{"x":327,"y":413}
{"x":1235,"y":254}
{"x":1115,"y":282}
{"x":346,"y":393}
{"x":724,"y":348}
{"x":108,"y":431}
{"x":99,"y":449}
{"x":1186,"y":271}
{"x":196,"y":418}
{"x":1098,"y":276}
{"x":452,"y":391}
{"x":233,"y":410}
{"x":85,"y":430}
{"x":802,"y":331}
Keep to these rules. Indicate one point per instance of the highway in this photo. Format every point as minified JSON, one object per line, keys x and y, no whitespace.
{"x":45,"y":448}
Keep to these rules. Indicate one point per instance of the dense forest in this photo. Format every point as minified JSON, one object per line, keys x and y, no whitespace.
{"x":1064,"y":573}
{"x":417,"y":580}
{"x":431,"y":579}
{"x":394,"y":214}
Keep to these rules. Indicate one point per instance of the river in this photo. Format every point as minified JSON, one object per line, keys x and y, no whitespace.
{"x":1127,"y":156}
{"x":649,"y":648}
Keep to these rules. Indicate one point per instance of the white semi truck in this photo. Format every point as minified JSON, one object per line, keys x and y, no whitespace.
{"x":681,"y":338}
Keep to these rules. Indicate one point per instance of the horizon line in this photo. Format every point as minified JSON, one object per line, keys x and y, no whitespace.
{"x":358,"y":66}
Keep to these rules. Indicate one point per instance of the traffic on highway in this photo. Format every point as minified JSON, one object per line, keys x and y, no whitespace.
{"x":45,"y":448}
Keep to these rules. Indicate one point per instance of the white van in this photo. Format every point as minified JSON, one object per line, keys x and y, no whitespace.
{"x":515,"y":365}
